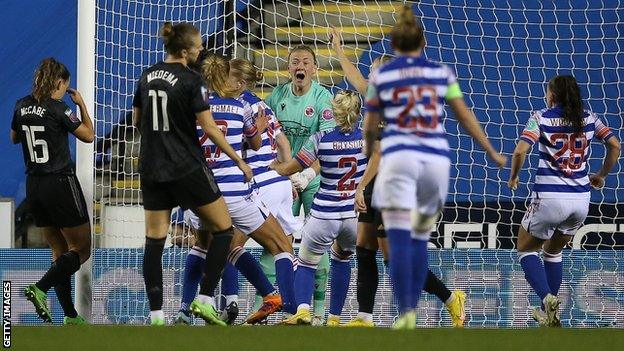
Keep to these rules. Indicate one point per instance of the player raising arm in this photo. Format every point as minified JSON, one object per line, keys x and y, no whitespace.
{"x":561,"y":191}
{"x":371,"y":234}
{"x":303,"y":108}
{"x":413,"y":178}
{"x":40,"y":123}
{"x":168,"y":103}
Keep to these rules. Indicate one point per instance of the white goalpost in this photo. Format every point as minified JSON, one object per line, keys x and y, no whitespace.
{"x":503,"y":52}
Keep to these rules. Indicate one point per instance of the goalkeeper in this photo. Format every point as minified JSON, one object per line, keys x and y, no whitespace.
{"x":303,"y":108}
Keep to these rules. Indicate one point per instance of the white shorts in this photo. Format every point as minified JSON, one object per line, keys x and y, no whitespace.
{"x":319,"y":234}
{"x":404,"y":182}
{"x":278,"y":198}
{"x":247,"y":213}
{"x":544,"y":216}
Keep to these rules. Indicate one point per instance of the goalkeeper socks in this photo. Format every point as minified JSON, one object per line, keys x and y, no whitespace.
{"x":304,"y":282}
{"x":397,"y":225}
{"x":250,"y":268}
{"x":193,"y":270}
{"x":63,"y":293}
{"x":367,"y":279}
{"x":553,"y":266}
{"x":216,"y":258}
{"x":534,"y":273}
{"x":64,"y":266}
{"x":152,"y":272}
{"x":320,"y":285}
{"x":286,"y":280}
{"x":420,"y":266}
{"x":229,"y":282}
{"x":340,"y":276}
{"x":267,"y":264}
{"x":433,"y":285}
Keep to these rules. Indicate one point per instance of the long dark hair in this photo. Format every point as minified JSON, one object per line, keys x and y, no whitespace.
{"x":178,"y":37}
{"x":567,"y":94}
{"x":46,"y":77}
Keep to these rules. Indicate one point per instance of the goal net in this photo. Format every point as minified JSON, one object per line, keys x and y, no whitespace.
{"x":503,"y":52}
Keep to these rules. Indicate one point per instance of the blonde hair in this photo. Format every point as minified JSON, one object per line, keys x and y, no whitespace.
{"x":346,"y":107}
{"x":178,"y":37}
{"x":407,"y":34}
{"x":245,"y":70}
{"x":305,"y":48}
{"x":215,"y":70}
{"x":46,"y":77}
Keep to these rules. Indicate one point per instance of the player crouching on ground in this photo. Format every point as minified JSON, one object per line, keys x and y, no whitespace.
{"x":332,"y":215}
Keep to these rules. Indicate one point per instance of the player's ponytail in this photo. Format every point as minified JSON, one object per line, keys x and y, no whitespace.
{"x":178,"y":37}
{"x":346,"y":107}
{"x":47,"y":77}
{"x":245,"y":70}
{"x":567,"y":93}
{"x":215,"y":70}
{"x":408,"y":34}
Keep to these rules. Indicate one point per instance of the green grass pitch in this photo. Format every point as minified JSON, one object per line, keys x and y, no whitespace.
{"x":135,"y":338}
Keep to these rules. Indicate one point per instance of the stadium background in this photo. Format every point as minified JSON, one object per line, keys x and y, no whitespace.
{"x":494,"y":73}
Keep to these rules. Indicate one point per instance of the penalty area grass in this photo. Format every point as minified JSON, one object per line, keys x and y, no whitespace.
{"x":276,"y":338}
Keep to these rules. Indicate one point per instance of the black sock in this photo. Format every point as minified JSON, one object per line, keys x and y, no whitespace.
{"x":433,"y":285}
{"x":64,"y":266}
{"x":63,"y":292}
{"x":216,"y":257}
{"x":367,"y":279}
{"x":152,"y":272}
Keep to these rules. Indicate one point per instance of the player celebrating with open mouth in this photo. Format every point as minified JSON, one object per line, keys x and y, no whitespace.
{"x":303,"y":107}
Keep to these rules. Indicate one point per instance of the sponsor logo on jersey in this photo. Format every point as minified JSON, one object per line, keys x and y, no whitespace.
{"x":309,"y":111}
{"x":327,"y":114}
{"x":283,"y":106}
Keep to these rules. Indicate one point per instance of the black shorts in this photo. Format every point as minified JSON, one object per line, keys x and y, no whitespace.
{"x":372,"y":215}
{"x":56,"y":200}
{"x":194,"y":190}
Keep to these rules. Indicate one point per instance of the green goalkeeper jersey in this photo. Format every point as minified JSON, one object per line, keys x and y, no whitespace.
{"x":302,"y":116}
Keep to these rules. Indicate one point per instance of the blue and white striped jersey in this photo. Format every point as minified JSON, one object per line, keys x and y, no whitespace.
{"x":342,"y":167}
{"x":410,"y":93}
{"x":562,"y":170}
{"x":235,"y":119}
{"x":260,"y":160}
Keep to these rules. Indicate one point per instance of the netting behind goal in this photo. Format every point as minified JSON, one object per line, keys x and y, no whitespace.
{"x":503,"y":52}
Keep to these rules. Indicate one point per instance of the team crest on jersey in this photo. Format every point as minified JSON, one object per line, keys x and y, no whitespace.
{"x":309,"y":111}
{"x":327,"y":114}
{"x":72,"y":116}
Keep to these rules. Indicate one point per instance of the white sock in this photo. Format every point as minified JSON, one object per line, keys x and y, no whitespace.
{"x":450,"y":299}
{"x":159,"y":314}
{"x":367,"y":317}
{"x":206,"y":299}
{"x":303,"y":306}
{"x":231,"y":298}
{"x":333,"y":316}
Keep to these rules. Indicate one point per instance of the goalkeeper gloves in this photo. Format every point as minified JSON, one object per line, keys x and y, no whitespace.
{"x":301,"y":180}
